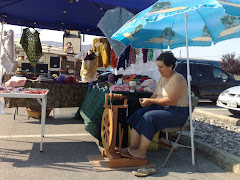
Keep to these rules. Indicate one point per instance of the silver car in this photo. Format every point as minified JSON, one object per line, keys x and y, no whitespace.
{"x":230,"y":99}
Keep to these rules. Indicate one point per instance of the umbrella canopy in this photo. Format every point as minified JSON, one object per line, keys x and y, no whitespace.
{"x":166,"y":23}
{"x":112,"y":20}
{"x":162,"y":25}
{"x":231,"y":7}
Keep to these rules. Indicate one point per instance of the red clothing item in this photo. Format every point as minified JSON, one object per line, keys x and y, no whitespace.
{"x":114,"y":59}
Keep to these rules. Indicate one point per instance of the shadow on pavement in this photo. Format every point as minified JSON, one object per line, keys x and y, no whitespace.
{"x":72,"y":154}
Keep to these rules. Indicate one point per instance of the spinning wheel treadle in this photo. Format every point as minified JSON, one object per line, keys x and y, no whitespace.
{"x":107,"y":128}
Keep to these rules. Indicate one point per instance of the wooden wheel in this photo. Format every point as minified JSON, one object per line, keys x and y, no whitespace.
{"x":107,"y":128}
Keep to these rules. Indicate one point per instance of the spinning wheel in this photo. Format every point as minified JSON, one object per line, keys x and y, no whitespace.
{"x":107,"y":128}
{"x":109,"y":132}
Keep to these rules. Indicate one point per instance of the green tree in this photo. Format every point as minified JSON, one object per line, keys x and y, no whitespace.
{"x":137,"y":29}
{"x":205,"y":31}
{"x":168,"y":33}
{"x":161,"y":5}
{"x":228,"y":21}
{"x":230,"y":63}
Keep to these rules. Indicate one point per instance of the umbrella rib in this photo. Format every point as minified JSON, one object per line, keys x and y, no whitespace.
{"x":204,"y":23}
{"x":172,"y":25}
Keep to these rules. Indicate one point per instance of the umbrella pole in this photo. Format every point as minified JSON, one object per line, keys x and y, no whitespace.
{"x":189,"y":92}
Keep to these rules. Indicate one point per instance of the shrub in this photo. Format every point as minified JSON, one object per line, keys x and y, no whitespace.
{"x":230,"y":63}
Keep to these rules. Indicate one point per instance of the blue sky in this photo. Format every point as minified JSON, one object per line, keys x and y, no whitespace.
{"x":213,"y":52}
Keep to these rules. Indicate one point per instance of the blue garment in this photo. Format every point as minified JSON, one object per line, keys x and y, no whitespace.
{"x":149,"y":120}
{"x":123,"y":61}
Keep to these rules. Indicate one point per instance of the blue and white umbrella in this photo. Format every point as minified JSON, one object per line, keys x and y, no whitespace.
{"x":232,"y":7}
{"x":177,"y":23}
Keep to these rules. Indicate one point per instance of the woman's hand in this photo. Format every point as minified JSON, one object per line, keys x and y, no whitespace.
{"x":145,"y":102}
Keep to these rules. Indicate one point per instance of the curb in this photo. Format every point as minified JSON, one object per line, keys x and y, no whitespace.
{"x":225,"y":119}
{"x":227,"y":160}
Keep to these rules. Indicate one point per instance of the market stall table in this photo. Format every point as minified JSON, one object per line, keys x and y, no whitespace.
{"x":42,"y":99}
{"x":60,"y":95}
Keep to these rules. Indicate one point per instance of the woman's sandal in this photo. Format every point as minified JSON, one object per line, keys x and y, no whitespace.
{"x":144,"y":172}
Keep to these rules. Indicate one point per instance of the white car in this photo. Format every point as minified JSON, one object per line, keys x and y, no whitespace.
{"x":230,"y":99}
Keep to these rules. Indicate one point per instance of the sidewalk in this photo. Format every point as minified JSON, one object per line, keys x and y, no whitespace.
{"x":66,"y":146}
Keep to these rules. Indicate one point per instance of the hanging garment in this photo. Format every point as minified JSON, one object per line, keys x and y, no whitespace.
{"x":32,"y":45}
{"x":114,"y":59}
{"x":132,"y":56}
{"x":123,"y":61}
{"x":150,"y":55}
{"x":101,"y":48}
{"x":89,"y":70}
{"x":145,"y":55}
{"x":7,"y":50}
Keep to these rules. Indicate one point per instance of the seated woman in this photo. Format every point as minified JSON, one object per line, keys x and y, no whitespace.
{"x":167,"y":107}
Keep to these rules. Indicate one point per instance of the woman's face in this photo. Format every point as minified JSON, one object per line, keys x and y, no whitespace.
{"x":164,"y":70}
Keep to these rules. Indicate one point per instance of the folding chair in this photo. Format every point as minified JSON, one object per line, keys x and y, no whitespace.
{"x":185,"y":127}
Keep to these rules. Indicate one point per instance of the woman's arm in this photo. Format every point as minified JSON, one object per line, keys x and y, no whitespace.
{"x":72,"y":51}
{"x":154,"y":95}
{"x":175,"y":90}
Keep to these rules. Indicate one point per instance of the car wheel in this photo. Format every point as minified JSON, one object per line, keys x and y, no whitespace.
{"x":194,"y":92}
{"x":213,"y":100}
{"x":235,"y":112}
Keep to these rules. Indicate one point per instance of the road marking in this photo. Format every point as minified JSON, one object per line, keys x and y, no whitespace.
{"x":47,"y":135}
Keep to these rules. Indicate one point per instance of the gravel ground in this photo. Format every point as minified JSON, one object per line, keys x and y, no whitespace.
{"x":218,"y":134}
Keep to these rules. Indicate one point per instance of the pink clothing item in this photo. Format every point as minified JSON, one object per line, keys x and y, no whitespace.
{"x":123,"y":87}
{"x":16,"y":81}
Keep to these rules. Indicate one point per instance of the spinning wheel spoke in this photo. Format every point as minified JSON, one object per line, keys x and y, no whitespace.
{"x":107,"y":128}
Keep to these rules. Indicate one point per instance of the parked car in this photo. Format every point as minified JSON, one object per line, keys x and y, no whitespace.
{"x":208,"y":81}
{"x":200,"y":61}
{"x":230,"y":99}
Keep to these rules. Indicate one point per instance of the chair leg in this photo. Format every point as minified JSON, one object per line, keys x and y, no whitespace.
{"x":170,"y":153}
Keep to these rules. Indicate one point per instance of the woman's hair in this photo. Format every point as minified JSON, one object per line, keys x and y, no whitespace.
{"x":69,"y":43}
{"x":168,"y":59}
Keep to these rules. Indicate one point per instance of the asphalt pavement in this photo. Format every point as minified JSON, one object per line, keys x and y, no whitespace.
{"x":209,"y":109}
{"x":209,"y":106}
{"x":66,"y":146}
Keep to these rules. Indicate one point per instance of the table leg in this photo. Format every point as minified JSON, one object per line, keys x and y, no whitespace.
{"x":43,"y":119}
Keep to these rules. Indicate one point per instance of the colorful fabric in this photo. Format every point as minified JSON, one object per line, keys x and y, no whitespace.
{"x":101,"y":48}
{"x":150,"y":55}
